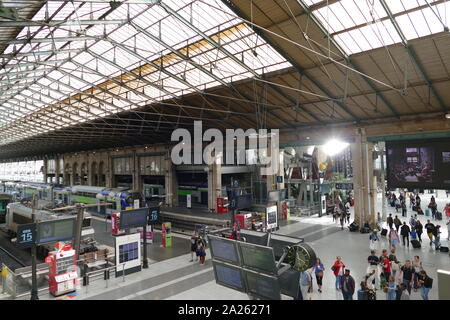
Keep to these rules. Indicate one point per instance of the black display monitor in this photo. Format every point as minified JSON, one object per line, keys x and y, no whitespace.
{"x":244,"y":201}
{"x":256,"y":237}
{"x":419,"y":164}
{"x":55,"y":230}
{"x":133,"y":218}
{"x":257,"y":257}
{"x":229,"y":276}
{"x":262,"y":286}
{"x":224,"y":249}
{"x":273,"y":196}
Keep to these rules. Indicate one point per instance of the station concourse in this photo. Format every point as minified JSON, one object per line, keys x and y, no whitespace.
{"x":214,"y":150}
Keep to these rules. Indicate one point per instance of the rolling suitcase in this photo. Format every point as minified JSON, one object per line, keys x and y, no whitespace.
{"x":427,"y":212}
{"x":443,"y":249}
{"x":438,"y":215}
{"x":384,"y":232}
{"x":414,"y":208}
{"x":415,"y":243}
{"x":419,"y":211}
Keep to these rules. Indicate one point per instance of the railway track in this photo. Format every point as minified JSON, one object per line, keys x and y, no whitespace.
{"x":11,"y":261}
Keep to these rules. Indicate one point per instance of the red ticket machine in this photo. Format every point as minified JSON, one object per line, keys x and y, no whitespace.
{"x":244,"y":220}
{"x":115,"y":221}
{"x":222,"y":205}
{"x":62,"y":270}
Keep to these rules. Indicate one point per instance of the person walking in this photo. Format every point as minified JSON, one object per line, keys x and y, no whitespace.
{"x":393,"y":238}
{"x":194,"y":239}
{"x":417,"y":264}
{"x":201,"y":253}
{"x":390,"y":221}
{"x":338,"y":270}
{"x":430,"y":229}
{"x":404,"y":210}
{"x":433,"y":206}
{"x":392,"y":287}
{"x":374,"y":240}
{"x":426,"y":283}
{"x":385,"y":265}
{"x":348,"y":285}
{"x":419,"y":230}
{"x":318,"y":272}
{"x":304,"y":284}
{"x":342,"y":219}
{"x":412,"y":222}
{"x":437,"y":236}
{"x":402,"y":293}
{"x":404,"y":232}
{"x":395,"y":264}
{"x":374,"y":261}
{"x":408,"y":273}
{"x":397,"y":223}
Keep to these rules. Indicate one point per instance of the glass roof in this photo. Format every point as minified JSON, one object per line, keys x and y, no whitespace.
{"x":113,"y":67}
{"x":359,"y":25}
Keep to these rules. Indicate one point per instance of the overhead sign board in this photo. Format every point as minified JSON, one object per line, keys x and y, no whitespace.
{"x":133,"y":218}
{"x":153,"y":215}
{"x":55,"y":230}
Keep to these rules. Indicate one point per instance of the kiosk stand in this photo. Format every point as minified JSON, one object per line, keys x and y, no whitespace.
{"x":62,"y":274}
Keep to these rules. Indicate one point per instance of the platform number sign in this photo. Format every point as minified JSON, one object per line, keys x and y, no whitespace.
{"x":153,"y":215}
{"x":26,"y":235}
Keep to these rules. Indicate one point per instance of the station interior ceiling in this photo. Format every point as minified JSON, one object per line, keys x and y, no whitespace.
{"x":84,"y":75}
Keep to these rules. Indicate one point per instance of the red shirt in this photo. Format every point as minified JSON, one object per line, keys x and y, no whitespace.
{"x":336,"y":264}
{"x":388,"y":264}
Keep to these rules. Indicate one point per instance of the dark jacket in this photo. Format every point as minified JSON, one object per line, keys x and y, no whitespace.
{"x":350,"y":283}
{"x":405,"y":230}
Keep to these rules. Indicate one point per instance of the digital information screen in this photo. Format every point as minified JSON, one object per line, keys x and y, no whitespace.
{"x":26,"y":235}
{"x":128,"y":252}
{"x":273,"y":196}
{"x":244,"y":201}
{"x":55,"y":230}
{"x":263,"y":286}
{"x":153,"y":215}
{"x":420,"y":164}
{"x":258,"y":257}
{"x":133,"y":218}
{"x":229,"y":276}
{"x":224,"y":249}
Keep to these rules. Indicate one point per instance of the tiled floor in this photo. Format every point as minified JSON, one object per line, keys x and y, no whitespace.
{"x":177,"y":278}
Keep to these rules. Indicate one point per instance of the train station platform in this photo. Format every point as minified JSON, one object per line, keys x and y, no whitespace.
{"x":174,"y":277}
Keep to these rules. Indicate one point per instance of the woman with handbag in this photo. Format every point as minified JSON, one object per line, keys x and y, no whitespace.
{"x":338,"y":270}
{"x":318,"y":271}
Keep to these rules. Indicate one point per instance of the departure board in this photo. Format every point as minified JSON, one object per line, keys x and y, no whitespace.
{"x":133,"y":218}
{"x":258,"y":258}
{"x":229,"y":276}
{"x":263,"y":286}
{"x":224,"y":249}
{"x":55,"y":230}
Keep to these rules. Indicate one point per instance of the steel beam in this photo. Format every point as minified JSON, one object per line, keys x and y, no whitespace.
{"x":38,"y":53}
{"x":413,"y":56}
{"x":57,"y":23}
{"x":299,"y":68}
{"x":305,"y":8}
{"x":47,"y":40}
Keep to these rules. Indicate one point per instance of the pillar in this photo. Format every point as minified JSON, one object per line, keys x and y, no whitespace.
{"x":136,"y":173}
{"x":45,"y":171}
{"x":109,"y":171}
{"x":57,"y":170}
{"x":363,"y":180}
{"x":383,"y":183}
{"x":214,"y":181}
{"x":171,"y":183}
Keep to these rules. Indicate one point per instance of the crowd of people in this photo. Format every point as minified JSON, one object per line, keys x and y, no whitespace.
{"x":384,"y":273}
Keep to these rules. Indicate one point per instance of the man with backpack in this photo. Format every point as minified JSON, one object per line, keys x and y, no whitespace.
{"x":390,"y":221}
{"x":404,"y":232}
{"x":397,"y":223}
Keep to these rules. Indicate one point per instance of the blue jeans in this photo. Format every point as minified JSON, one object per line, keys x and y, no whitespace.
{"x":347,"y":295}
{"x":338,"y":282}
{"x":424,"y":293}
{"x":407,"y":284}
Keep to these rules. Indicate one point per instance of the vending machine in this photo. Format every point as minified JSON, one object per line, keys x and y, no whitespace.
{"x":115,"y":222}
{"x":62,"y":270}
